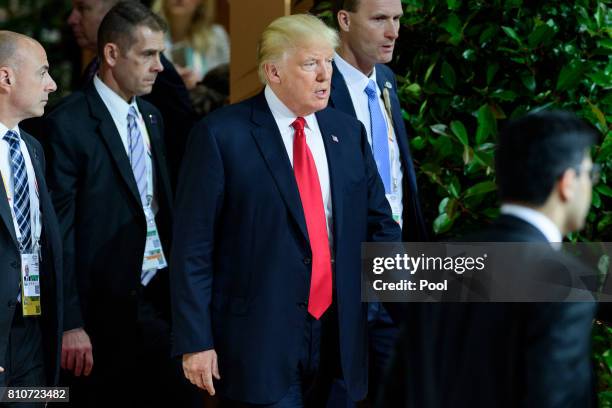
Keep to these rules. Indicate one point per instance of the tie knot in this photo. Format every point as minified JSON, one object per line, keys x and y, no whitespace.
{"x":132,"y":112}
{"x":370,"y":90}
{"x":299,"y":123}
{"x":11,"y":136}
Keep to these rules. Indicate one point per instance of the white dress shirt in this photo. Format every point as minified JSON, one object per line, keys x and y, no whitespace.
{"x":7,"y":178}
{"x":284,"y":118}
{"x":356,"y":82}
{"x":540,"y":221}
{"x":119,"y":109}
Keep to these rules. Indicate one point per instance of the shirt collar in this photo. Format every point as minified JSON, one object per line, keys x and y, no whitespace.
{"x":282,"y":114}
{"x":116,"y":105}
{"x":354,"y":78}
{"x":535,"y":218}
{"x":4,"y":129}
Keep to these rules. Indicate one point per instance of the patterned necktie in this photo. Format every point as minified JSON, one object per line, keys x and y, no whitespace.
{"x":380,"y":144}
{"x":21,"y":194}
{"x":137,"y":154}
{"x":307,"y":178}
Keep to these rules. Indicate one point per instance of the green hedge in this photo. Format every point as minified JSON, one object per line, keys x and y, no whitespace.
{"x":464,"y":67}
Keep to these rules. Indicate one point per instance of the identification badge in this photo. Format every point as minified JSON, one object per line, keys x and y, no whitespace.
{"x":30,"y":284}
{"x":154,"y":254}
{"x":396,"y":207}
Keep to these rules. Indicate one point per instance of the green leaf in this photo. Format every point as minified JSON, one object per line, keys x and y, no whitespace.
{"x":512,"y":34}
{"x":417,"y":143}
{"x":448,"y":75}
{"x":443,"y":204}
{"x":487,"y":125}
{"x":596,"y":199}
{"x":604,"y":223}
{"x":453,"y":4}
{"x":491,"y":71}
{"x":452,"y":25}
{"x":442,"y":223}
{"x":440,"y":129}
{"x":529,"y":81}
{"x":459,"y":131}
{"x":480,"y":188}
{"x":504,"y":95}
{"x":604,"y":190}
{"x":570,"y":75}
{"x":540,"y":36}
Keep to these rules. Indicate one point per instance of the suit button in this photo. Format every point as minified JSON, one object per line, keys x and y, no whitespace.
{"x":302,"y":305}
{"x":15,"y":264}
{"x":307,"y":261}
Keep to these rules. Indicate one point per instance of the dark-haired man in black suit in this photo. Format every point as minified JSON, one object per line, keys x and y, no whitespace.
{"x":112,"y":193}
{"x":512,"y":354}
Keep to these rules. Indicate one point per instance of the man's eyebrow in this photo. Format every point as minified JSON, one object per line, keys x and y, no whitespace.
{"x":43,"y":68}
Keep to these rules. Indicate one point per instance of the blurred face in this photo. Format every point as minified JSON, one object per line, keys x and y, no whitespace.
{"x":136,"y":69}
{"x":369,"y":33}
{"x":32,"y":82}
{"x":578,"y":207}
{"x":85,"y":19}
{"x":177,"y":8}
{"x":302,"y":78}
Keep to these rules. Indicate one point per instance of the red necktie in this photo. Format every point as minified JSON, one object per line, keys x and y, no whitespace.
{"x":307,"y":178}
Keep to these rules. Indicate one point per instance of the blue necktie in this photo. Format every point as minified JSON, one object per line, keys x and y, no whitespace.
{"x":21,"y":194}
{"x":380,"y":143}
{"x":137,"y":154}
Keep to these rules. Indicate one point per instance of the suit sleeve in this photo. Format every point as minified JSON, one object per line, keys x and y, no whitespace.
{"x":381,"y":226}
{"x":558,"y":354}
{"x":62,"y":178}
{"x":198,"y":202}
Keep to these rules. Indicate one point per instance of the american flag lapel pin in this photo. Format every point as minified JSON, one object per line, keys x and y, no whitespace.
{"x":334,"y":138}
{"x":388,"y":85}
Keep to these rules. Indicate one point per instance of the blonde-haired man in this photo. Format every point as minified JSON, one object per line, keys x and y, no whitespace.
{"x":276,"y":195}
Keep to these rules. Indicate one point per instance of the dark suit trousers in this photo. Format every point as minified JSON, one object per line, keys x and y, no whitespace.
{"x":24,"y":357}
{"x":318,"y":366}
{"x":134,"y":369}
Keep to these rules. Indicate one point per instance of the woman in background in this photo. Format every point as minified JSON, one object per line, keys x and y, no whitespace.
{"x":195,"y":44}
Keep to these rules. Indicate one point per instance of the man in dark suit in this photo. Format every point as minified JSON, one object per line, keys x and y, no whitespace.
{"x":364,"y":87}
{"x":112,"y":194}
{"x":512,"y":354}
{"x":275,"y":198}
{"x":31,"y":293}
{"x":168,"y":94}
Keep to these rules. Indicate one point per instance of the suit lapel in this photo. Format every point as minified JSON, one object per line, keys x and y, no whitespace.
{"x":111,"y":137}
{"x":5,"y":211}
{"x":332,"y":139}
{"x":270,"y":143}
{"x":340,"y":97}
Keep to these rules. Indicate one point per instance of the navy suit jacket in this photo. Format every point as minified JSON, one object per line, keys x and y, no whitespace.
{"x":414,"y":225}
{"x":52,"y":290}
{"x":241,"y":262}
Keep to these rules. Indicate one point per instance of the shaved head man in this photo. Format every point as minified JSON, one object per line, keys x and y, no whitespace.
{"x":31,"y":326}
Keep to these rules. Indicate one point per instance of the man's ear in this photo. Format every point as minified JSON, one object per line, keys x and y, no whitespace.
{"x":567,"y":185}
{"x":272,"y":72}
{"x":7,"y":78}
{"x":111,"y":54}
{"x":344,"y":20}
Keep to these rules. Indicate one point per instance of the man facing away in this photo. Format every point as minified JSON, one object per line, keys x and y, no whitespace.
{"x":276,"y":195}
{"x":512,"y":354}
{"x":31,"y":294}
{"x":112,"y":194}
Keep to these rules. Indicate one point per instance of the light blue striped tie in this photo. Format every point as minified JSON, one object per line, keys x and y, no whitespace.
{"x":137,"y":154}
{"x":380,"y":143}
{"x":21,"y":194}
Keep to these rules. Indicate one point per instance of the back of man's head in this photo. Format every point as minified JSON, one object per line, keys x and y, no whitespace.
{"x":120,"y":22}
{"x":534,"y":152}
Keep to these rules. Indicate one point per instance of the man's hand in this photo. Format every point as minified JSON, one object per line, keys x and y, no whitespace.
{"x":200,"y":367}
{"x":76,"y":352}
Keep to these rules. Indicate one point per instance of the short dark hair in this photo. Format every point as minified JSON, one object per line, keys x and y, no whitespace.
{"x":119,"y":23}
{"x":348,"y":5}
{"x":535,"y":150}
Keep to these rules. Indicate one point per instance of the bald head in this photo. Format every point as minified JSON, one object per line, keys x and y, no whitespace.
{"x":25,"y":83}
{"x":11,"y":46}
